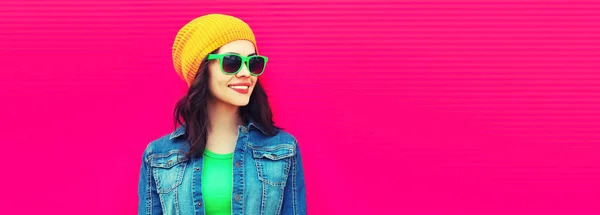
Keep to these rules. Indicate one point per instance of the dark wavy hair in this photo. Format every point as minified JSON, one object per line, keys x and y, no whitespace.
{"x":191,"y":111}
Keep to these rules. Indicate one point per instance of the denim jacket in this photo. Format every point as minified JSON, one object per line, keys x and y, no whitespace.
{"x":268,"y":177}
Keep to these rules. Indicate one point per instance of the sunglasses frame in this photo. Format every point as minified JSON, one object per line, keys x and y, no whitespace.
{"x":245,"y":61}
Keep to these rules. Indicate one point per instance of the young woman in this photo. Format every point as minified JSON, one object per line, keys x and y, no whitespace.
{"x":225,"y":155}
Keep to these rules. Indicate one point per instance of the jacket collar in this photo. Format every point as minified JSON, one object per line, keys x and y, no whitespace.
{"x":180,"y":131}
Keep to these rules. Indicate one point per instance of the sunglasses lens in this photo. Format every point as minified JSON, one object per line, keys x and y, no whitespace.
{"x":231,"y":63}
{"x":256,"y":65}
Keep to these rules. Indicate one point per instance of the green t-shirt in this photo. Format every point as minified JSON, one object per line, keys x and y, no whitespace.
{"x":217,"y":183}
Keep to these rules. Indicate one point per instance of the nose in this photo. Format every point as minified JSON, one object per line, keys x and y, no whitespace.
{"x":244,"y":71}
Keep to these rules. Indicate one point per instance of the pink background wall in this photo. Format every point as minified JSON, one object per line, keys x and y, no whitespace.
{"x":400,"y":108}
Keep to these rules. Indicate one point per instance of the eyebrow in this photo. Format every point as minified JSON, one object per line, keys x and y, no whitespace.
{"x":252,"y":54}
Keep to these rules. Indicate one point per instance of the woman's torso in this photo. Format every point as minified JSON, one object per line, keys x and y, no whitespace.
{"x":261,"y":165}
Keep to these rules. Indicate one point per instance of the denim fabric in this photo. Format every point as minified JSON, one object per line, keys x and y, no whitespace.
{"x":268,"y":177}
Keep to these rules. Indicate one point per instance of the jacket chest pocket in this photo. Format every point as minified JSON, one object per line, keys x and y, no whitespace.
{"x":168,"y":170}
{"x":273,"y":163}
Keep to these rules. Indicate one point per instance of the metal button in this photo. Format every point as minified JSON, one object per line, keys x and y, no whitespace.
{"x":244,"y":130}
{"x":237,"y":197}
{"x":238,"y":164}
{"x":197,"y":168}
{"x":199,"y":204}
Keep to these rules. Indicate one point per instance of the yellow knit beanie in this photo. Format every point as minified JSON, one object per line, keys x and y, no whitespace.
{"x":203,"y":35}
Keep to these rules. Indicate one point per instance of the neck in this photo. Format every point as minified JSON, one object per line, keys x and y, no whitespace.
{"x":223,"y":118}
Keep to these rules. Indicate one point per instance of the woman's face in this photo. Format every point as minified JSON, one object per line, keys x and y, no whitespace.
{"x":232,"y":89}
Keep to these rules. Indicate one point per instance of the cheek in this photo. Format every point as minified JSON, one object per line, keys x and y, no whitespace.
{"x":216,"y":82}
{"x":213,"y":70}
{"x":254,"y":81}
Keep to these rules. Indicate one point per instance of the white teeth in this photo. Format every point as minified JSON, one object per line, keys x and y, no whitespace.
{"x":239,"y":87}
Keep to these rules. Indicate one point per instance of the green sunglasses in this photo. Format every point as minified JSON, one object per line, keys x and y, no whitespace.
{"x":231,"y":63}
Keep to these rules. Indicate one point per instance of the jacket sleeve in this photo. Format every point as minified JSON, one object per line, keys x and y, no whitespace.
{"x":148,"y":200}
{"x":294,"y":194}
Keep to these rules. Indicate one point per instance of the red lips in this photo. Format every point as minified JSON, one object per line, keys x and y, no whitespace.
{"x":242,"y":88}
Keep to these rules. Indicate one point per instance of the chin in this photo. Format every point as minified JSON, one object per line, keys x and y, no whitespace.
{"x":240,"y":103}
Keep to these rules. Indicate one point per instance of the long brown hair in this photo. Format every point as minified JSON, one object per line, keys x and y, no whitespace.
{"x":191,"y":111}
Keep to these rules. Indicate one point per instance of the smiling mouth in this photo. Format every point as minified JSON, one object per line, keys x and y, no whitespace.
{"x":239,"y":87}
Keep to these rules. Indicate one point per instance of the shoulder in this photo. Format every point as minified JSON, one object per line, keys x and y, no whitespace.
{"x":164,"y":145}
{"x":279,"y":146}
{"x":282,"y":138}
